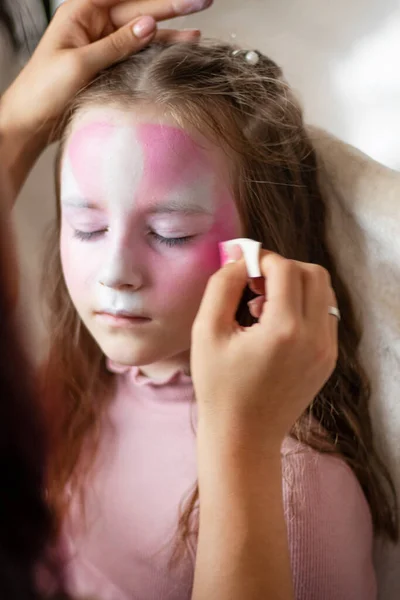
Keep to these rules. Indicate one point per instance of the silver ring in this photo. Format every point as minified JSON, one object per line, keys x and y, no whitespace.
{"x":335,"y":312}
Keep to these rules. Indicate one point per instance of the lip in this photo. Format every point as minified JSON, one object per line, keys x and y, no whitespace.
{"x":122,"y":319}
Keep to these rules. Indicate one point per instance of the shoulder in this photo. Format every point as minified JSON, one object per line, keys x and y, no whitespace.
{"x":313,"y":480}
{"x":317,"y":476}
{"x":329,"y":526}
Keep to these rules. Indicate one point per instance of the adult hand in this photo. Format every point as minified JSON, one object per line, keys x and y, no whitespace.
{"x":253,"y":383}
{"x":84,"y":37}
{"x":251,"y":386}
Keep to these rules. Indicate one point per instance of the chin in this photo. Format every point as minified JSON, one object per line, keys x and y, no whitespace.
{"x":133,"y":355}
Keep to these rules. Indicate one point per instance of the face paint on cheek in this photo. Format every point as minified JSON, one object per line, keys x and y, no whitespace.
{"x":176,"y":165}
{"x":181,"y":284}
{"x":227,"y":225}
{"x":186,"y":275}
{"x":82,"y":264}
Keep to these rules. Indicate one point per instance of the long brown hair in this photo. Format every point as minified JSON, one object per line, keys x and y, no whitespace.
{"x":250,"y":111}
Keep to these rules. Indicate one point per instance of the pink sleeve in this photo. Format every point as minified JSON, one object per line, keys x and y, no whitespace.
{"x":329,"y":527}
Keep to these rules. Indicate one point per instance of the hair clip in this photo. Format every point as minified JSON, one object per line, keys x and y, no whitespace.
{"x":250,"y":56}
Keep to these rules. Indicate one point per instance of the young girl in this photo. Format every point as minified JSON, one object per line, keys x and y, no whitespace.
{"x":162,"y":158}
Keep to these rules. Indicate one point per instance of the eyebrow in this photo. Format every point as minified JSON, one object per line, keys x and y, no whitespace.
{"x":178,"y":207}
{"x":79,"y":203}
{"x":172,"y":207}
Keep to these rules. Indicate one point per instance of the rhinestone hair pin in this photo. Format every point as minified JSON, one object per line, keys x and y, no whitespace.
{"x":250,"y":56}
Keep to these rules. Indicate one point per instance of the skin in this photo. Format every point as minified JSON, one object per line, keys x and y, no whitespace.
{"x":8,"y":256}
{"x":244,"y":415}
{"x":144,"y":204}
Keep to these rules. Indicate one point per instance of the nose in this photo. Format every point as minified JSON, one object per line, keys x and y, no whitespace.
{"x":121,"y":271}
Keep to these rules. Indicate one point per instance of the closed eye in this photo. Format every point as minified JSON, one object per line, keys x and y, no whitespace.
{"x":171,"y":241}
{"x":86,"y":236}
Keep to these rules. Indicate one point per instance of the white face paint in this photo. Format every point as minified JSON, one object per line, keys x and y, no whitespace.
{"x":121,"y":147}
{"x":115,"y":178}
{"x":118,"y":302}
{"x":144,"y":206}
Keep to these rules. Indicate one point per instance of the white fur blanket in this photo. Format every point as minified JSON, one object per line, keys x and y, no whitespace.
{"x":364,"y":199}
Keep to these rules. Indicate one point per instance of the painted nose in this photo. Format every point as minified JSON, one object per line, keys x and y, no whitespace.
{"x":121,"y":272}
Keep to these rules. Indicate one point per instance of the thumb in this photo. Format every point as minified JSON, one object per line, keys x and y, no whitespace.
{"x":118,"y":45}
{"x":222,"y":297}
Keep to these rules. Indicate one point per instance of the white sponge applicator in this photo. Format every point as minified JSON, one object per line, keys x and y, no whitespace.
{"x":251,"y":254}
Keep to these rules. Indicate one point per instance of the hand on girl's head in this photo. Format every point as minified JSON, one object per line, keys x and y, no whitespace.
{"x":269,"y":373}
{"x":76,"y":47}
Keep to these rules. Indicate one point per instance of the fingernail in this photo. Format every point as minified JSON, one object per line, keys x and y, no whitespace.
{"x":185,"y":7}
{"x":192,"y":31}
{"x":256,"y":306}
{"x":144,"y":27}
{"x":257,"y":285}
{"x":229,"y":253}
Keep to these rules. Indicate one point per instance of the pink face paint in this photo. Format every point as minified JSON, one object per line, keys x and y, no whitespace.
{"x":175,"y":168}
{"x":147,"y":182}
{"x":178,"y":170}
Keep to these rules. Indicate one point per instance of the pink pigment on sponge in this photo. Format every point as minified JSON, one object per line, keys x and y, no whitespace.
{"x":251,"y":254}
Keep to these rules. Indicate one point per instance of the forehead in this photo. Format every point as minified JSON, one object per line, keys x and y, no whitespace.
{"x":105,"y":135}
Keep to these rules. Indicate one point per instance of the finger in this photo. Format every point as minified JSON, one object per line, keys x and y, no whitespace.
{"x":256,"y":306}
{"x":284,"y":287}
{"x":118,"y":45}
{"x":222,"y":297}
{"x":317,"y":293}
{"x":334,"y":321}
{"x":257,"y":285}
{"x":123,"y":12}
{"x":175,"y":35}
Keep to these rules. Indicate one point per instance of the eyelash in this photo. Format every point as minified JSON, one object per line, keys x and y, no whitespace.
{"x":86,"y":236}
{"x":171,"y":242}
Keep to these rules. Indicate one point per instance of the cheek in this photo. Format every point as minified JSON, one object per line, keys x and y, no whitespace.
{"x":208,"y":258}
{"x":227,"y":226}
{"x":79,"y":265}
{"x":180,"y":290}
{"x":179,"y":281}
{"x":184,"y":279}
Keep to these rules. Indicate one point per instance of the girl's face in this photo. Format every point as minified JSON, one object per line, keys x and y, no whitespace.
{"x":144,"y":205}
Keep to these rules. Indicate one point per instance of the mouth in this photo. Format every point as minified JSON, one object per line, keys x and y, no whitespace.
{"x":121,"y":318}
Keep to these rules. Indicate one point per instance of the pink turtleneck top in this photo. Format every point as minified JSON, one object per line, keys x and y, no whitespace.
{"x":146,"y":468}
